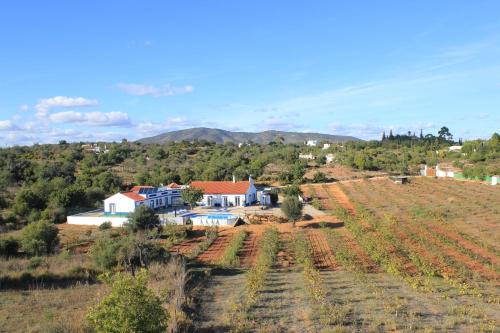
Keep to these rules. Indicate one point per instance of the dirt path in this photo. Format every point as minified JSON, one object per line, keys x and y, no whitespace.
{"x":217,"y":299}
{"x":322,"y":254}
{"x":248,"y":253}
{"x":283,"y":305}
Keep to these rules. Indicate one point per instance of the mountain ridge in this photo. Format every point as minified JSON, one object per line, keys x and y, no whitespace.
{"x":224,"y":136}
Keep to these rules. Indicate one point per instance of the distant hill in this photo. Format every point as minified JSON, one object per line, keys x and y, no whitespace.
{"x":222,"y":136}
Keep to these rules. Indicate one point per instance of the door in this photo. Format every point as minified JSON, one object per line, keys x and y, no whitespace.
{"x":209,"y":201}
{"x":112,"y":208}
{"x":225,"y":201}
{"x":237,"y":201}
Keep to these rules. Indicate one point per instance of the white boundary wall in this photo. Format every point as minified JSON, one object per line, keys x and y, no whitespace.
{"x":96,"y":220}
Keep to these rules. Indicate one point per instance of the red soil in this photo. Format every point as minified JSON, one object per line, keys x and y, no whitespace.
{"x":336,"y":193}
{"x":248,"y":253}
{"x":322,"y":254}
{"x":455,"y":254}
{"x":363,"y":258}
{"x":187,"y":246}
{"x":216,"y":250}
{"x":482,"y":252}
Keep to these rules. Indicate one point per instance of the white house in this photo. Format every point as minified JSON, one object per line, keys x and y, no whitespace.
{"x":326,"y":145}
{"x":124,"y":203}
{"x":227,"y":193}
{"x":312,"y":143}
{"x":495,"y":180}
{"x":329,"y":158}
{"x":307,"y":156}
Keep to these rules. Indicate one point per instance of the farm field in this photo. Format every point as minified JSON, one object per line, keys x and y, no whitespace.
{"x":380,"y":257}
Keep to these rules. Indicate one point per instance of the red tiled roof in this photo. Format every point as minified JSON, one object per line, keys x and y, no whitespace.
{"x":223,"y":187}
{"x":138,"y":187}
{"x":173,"y":185}
{"x":133,"y":196}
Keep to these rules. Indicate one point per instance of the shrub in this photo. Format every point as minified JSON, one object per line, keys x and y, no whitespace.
{"x":319,"y":177}
{"x":103,"y":252}
{"x":292,"y":208}
{"x":105,"y":226}
{"x":130,"y":307}
{"x":40,"y":238}
{"x":9,"y":246}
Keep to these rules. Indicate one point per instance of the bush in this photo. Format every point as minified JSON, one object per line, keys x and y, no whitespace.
{"x":40,"y":238}
{"x":319,"y":177}
{"x":292,"y":208}
{"x":9,"y":246}
{"x":104,"y":251}
{"x":105,"y":226}
{"x":130,"y":307}
{"x":143,"y":218}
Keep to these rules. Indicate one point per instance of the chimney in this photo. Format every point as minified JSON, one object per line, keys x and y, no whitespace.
{"x":234,"y":179}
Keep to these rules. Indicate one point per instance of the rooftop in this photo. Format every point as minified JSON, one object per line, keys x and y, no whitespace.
{"x":223,"y":187}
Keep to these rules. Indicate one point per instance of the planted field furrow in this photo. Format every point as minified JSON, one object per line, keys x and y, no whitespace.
{"x":461,"y":242}
{"x":321,"y":252}
{"x":187,"y":246}
{"x":248,"y":253}
{"x":322,"y":196}
{"x":336,"y":193}
{"x":462,"y":246}
{"x":364,"y":259}
{"x":455,"y":254}
{"x":378,"y":244}
{"x":213,"y":254}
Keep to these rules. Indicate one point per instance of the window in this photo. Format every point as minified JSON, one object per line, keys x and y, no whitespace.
{"x":237,"y":201}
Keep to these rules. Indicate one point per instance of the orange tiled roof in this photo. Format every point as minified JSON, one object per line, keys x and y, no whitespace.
{"x":223,"y":187}
{"x":138,"y":187}
{"x":133,"y":196}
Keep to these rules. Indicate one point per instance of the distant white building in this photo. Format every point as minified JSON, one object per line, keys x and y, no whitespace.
{"x":495,"y":180}
{"x":95,"y":148}
{"x":227,"y":193}
{"x":455,"y":148}
{"x":307,"y":156}
{"x":326,"y":145}
{"x":312,"y":143}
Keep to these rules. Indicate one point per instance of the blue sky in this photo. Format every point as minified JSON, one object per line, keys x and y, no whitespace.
{"x":107,"y":70}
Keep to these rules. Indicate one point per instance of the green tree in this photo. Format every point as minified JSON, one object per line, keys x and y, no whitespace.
{"x":40,"y":238}
{"x":444,"y":133}
{"x":143,"y":218}
{"x":292,"y":208}
{"x":130,"y":308}
{"x":192,"y":195}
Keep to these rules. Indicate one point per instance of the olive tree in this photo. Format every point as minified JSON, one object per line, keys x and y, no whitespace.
{"x":292,"y":208}
{"x":130,"y":307}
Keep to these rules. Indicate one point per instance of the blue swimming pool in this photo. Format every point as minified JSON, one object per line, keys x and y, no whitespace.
{"x":213,"y":216}
{"x":212,"y":219}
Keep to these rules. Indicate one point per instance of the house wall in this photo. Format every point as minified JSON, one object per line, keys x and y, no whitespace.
{"x":123,"y":204}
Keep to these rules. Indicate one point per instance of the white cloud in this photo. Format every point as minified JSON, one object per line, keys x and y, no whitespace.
{"x":92,"y":118}
{"x":143,"y":89}
{"x":6,"y":125}
{"x":45,"y":105}
{"x":24,"y":107}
